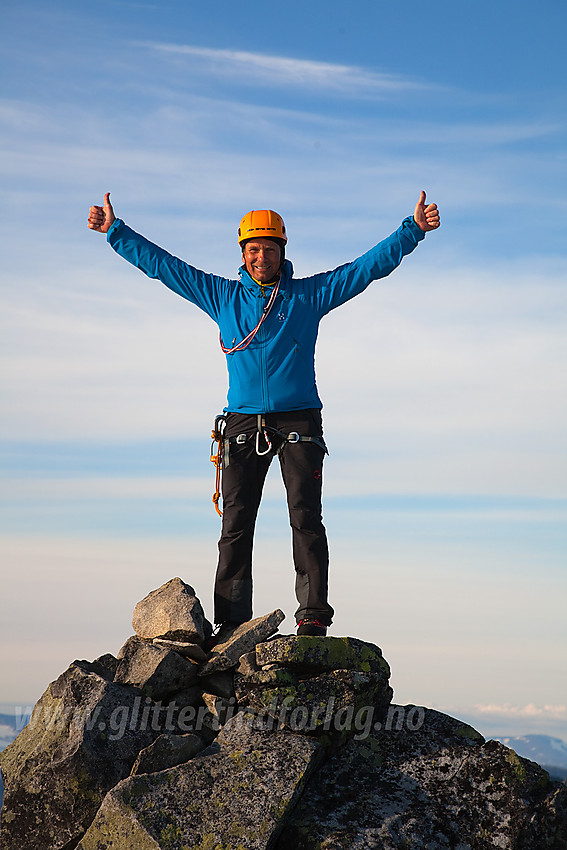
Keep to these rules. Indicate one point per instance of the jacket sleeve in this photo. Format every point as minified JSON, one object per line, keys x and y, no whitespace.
{"x":331,"y":289}
{"x":204,"y":290}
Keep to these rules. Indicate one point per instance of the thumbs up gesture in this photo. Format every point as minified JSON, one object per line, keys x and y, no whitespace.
{"x":101,"y":218}
{"x":426,"y":217}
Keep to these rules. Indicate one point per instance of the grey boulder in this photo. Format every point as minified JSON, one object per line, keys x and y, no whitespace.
{"x":167,"y":751}
{"x":77,"y":746}
{"x":157,"y":671}
{"x":419,"y":778}
{"x":237,"y":793}
{"x":314,"y":685}
{"x":241,"y":640}
{"x":320,"y":654}
{"x":172,"y":612}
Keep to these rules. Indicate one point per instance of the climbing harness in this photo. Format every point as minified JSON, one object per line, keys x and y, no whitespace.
{"x":248,"y":339}
{"x":292,"y":437}
{"x":220,"y":455}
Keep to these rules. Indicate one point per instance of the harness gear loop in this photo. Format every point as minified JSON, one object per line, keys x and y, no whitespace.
{"x":217,"y":458}
{"x":244,"y":343}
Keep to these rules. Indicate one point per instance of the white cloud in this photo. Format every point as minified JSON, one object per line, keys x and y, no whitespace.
{"x":555,"y":712}
{"x":512,"y":720}
{"x":347,"y":478}
{"x":265,"y":70}
{"x":106,"y":488}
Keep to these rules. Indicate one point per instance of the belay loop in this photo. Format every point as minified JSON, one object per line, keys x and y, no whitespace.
{"x":217,"y":436}
{"x":268,"y":449}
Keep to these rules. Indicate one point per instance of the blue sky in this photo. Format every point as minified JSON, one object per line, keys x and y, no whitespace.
{"x":443,"y":385}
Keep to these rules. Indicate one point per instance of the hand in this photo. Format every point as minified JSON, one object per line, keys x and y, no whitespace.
{"x":426,"y":217}
{"x":101,"y":218}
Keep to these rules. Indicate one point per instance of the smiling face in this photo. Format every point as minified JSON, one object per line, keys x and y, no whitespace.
{"x":262,"y":259}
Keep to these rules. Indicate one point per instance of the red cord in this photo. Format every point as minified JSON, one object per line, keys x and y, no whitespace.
{"x":248,"y":339}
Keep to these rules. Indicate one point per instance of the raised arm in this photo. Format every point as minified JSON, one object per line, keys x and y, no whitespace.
{"x":207,"y":291}
{"x":343,"y":283}
{"x":101,"y":218}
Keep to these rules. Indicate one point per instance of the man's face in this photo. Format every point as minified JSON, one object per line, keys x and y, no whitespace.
{"x":262,"y":258}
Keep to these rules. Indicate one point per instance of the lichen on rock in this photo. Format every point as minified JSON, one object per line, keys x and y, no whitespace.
{"x":417,"y":781}
{"x":264,"y":742}
{"x":74,"y":749}
{"x":238,"y":790}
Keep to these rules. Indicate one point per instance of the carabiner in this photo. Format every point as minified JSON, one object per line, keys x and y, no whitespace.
{"x":268,"y":443}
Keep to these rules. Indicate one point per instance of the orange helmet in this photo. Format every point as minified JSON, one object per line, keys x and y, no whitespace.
{"x":262,"y":223}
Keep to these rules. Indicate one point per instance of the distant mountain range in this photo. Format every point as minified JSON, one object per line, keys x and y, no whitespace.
{"x":550,"y":753}
{"x":8,"y":729}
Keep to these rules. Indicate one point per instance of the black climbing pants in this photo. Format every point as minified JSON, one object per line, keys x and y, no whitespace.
{"x":243,"y":479}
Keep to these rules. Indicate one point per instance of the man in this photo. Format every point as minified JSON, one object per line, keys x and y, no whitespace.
{"x":268,"y":323}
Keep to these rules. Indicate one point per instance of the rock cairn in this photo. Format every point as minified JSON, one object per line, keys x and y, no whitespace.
{"x":259,"y":741}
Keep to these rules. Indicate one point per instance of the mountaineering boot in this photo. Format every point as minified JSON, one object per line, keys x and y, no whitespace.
{"x":310,"y":626}
{"x":221,"y":633}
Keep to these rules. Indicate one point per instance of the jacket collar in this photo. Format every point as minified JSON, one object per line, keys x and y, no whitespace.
{"x":250,"y":284}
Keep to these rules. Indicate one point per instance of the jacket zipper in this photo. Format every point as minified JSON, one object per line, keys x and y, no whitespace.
{"x":263,"y":363}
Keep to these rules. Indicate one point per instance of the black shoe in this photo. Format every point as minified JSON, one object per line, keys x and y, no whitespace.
{"x":310,"y":626}
{"x":221,"y":633}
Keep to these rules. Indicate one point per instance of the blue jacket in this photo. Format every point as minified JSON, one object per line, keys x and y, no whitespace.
{"x":276,"y":373}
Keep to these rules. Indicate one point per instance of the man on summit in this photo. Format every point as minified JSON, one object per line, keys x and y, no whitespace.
{"x":268,"y":323}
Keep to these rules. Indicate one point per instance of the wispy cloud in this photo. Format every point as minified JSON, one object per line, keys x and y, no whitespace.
{"x":555,"y":712}
{"x":509,"y":719}
{"x":118,"y":487}
{"x":262,"y":69}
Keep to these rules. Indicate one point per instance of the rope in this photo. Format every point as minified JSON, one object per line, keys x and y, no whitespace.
{"x":216,"y":458}
{"x":248,"y":339}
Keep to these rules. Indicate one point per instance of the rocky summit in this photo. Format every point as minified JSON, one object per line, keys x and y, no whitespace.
{"x":255,"y":740}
